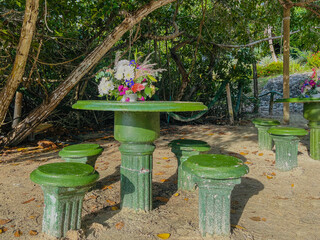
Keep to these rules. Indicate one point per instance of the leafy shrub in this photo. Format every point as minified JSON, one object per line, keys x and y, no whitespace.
{"x":265,"y":61}
{"x":313,"y":60}
{"x":295,"y":66}
{"x":276,"y":68}
{"x":273,"y":68}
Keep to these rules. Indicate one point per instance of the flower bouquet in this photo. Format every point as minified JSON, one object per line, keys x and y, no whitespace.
{"x":129,"y":80}
{"x":311,"y":87}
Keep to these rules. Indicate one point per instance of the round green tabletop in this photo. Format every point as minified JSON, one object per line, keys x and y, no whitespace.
{"x":81,"y":150}
{"x":298,"y":100}
{"x":215,"y":166}
{"x":265,"y":121}
{"x":193,"y":144}
{"x":287,"y":131}
{"x":64,"y":174}
{"x":139,"y":106}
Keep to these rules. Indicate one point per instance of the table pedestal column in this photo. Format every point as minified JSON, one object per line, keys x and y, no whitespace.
{"x":311,"y":112}
{"x":136,"y":131}
{"x":315,"y":139}
{"x":136,"y":176}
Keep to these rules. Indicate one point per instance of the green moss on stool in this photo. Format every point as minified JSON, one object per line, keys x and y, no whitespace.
{"x":64,"y":186}
{"x":216,"y":175}
{"x":263,"y":125}
{"x":184,"y":148}
{"x":286,"y":140}
{"x":82,"y":153}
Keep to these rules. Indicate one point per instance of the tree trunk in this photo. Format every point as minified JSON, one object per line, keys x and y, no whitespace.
{"x":17,"y":109}
{"x":43,"y":111}
{"x":15,"y":78}
{"x":255,"y":87}
{"x":183,"y":72}
{"x":229,"y":100}
{"x":286,"y":74}
{"x":273,"y":53}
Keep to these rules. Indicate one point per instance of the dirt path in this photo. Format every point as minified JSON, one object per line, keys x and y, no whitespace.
{"x":268,"y":204}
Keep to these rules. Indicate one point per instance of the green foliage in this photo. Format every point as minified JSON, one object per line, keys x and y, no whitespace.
{"x":273,"y":68}
{"x":313,"y":60}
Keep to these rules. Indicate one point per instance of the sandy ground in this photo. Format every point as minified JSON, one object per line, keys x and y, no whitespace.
{"x":268,"y":204}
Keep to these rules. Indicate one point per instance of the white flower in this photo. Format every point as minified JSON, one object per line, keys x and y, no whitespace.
{"x":119,"y":73}
{"x":105,"y":86}
{"x":129,"y":72}
{"x":120,"y":64}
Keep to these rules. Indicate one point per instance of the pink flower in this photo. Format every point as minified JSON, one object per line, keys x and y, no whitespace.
{"x":142,"y":98}
{"x":124,"y":89}
{"x":127,"y":99}
{"x":312,"y":83}
{"x":120,"y":88}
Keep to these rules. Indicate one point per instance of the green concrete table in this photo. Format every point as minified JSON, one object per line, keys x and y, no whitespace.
{"x":136,"y":126}
{"x":311,"y":112}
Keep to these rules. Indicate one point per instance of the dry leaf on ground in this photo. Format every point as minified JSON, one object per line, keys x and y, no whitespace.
{"x":17,"y":233}
{"x":162,"y":199}
{"x":257,"y":219}
{"x":33,"y":232}
{"x":237,"y":226}
{"x":164,"y":180}
{"x":111,"y":202}
{"x":119,"y":225}
{"x":30,"y":200}
{"x":164,"y":235}
{"x":4,"y":221}
{"x":106,"y":187}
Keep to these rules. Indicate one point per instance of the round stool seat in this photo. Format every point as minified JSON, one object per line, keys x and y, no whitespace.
{"x":81,"y":150}
{"x":287,"y":131}
{"x":196,"y":145}
{"x":266,"y":121}
{"x":64,"y":174}
{"x":215,"y":166}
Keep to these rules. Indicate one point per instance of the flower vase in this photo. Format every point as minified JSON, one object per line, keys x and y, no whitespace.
{"x":133,"y":97}
{"x":316,"y":95}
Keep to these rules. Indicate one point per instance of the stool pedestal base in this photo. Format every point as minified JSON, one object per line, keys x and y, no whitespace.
{"x":214,"y":205}
{"x":62,"y":209}
{"x":185,"y":180}
{"x":264,"y":138}
{"x":286,"y":152}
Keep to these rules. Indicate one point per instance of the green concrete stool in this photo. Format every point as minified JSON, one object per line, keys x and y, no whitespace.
{"x":286,"y":140}
{"x":263,"y":125}
{"x":82,"y":153}
{"x":64,"y":186}
{"x":184,"y":148}
{"x":216,"y":175}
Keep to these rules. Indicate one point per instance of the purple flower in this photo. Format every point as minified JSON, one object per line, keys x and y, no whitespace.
{"x":132,"y":62}
{"x":130,"y":82}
